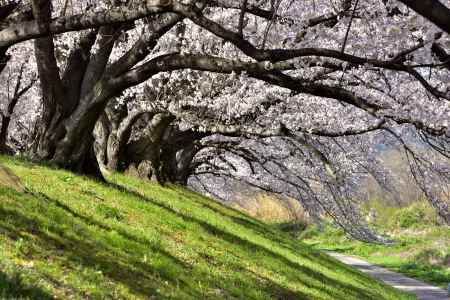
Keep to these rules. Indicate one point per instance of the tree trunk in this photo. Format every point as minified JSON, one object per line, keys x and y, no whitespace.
{"x":73,"y":101}
{"x":73,"y":152}
{"x":165,"y":154}
{"x":176,"y":165}
{"x":4,"y":149}
{"x":178,"y":151}
{"x":145,"y":153}
{"x":3,"y":58}
{"x":74,"y":148}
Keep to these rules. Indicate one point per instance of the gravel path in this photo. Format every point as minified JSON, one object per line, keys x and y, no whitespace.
{"x":422,"y":290}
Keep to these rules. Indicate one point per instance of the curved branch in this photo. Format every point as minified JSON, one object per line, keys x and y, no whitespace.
{"x":277,"y":55}
{"x":31,"y":29}
{"x":433,"y":10}
{"x":171,"y":62}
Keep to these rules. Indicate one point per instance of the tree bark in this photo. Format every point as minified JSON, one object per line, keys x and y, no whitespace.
{"x":74,"y":102}
{"x":165,"y":153}
{"x":4,"y":58}
{"x":4,"y":148}
{"x":178,"y":151}
{"x":148,"y":149}
{"x":71,"y":105}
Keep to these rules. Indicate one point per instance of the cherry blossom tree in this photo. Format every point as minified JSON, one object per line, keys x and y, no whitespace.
{"x":182,"y":89}
{"x":17,"y":76}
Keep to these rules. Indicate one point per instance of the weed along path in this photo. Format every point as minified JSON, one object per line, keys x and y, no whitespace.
{"x":422,"y":290}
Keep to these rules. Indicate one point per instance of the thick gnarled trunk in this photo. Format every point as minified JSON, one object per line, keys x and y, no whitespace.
{"x":68,"y":142}
{"x":162,"y":152}
{"x":166,"y":154}
{"x":72,"y":150}
{"x":145,"y":153}
{"x":73,"y":101}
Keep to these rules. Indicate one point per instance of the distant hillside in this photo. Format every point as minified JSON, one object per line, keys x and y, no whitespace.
{"x":72,"y":238}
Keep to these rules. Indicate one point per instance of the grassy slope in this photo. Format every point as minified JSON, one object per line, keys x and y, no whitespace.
{"x":74,"y":238}
{"x":421,"y":250}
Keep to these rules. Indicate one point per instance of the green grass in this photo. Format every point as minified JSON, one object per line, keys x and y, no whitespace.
{"x":74,"y":238}
{"x":421,"y":249}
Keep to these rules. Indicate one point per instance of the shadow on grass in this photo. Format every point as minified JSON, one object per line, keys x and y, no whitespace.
{"x":235,"y":216}
{"x":92,"y":252}
{"x":302,"y":274}
{"x":339,"y":249}
{"x":238,"y":217}
{"x":258,"y":227}
{"x":120,"y":262}
{"x":12,"y":287}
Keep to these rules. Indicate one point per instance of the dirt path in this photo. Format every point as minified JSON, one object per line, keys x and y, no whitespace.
{"x":422,"y":290}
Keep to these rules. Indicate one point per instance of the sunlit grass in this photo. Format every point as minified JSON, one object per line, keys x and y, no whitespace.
{"x":75,"y":238}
